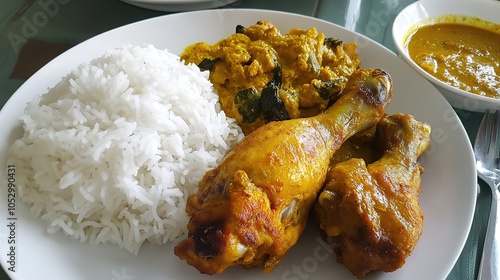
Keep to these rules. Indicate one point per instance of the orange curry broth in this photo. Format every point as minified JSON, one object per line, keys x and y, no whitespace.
{"x":461,"y":55}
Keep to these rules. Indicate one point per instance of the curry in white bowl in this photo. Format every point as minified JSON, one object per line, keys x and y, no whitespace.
{"x":463,"y":52}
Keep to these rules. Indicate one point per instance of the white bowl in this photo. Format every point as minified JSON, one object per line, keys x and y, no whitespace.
{"x":421,"y":12}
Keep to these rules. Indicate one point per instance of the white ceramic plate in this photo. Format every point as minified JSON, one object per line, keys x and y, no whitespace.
{"x":448,"y":184}
{"x":179,"y":5}
{"x":419,"y":13}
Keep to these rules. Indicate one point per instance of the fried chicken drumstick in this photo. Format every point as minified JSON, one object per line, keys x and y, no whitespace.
{"x":371,"y":213}
{"x":252,"y":208}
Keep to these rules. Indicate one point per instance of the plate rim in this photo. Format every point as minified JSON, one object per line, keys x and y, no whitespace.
{"x":179,"y":5}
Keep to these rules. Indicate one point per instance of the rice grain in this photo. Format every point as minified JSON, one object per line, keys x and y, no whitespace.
{"x":111,"y":153}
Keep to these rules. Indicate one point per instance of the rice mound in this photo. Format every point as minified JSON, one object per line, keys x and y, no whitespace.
{"x":112,"y":152}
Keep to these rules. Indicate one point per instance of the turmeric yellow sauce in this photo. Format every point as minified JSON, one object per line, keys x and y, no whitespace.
{"x":303,"y":69}
{"x":464,"y":56}
{"x":262,"y":75}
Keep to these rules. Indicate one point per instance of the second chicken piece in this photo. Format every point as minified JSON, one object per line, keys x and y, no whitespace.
{"x":370,"y":213}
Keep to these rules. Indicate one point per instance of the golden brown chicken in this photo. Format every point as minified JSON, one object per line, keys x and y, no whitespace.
{"x":252,"y":208}
{"x":371,"y":213}
{"x":360,"y":145}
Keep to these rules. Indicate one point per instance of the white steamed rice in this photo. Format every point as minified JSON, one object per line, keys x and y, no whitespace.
{"x":112,"y":152}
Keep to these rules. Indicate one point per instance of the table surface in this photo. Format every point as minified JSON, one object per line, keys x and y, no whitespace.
{"x":61,"y":24}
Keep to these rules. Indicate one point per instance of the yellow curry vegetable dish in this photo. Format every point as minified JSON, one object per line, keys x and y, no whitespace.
{"x":262,"y":75}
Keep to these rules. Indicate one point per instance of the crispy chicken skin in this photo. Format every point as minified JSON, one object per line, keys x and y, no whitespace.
{"x":252,"y":208}
{"x":371,"y":213}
